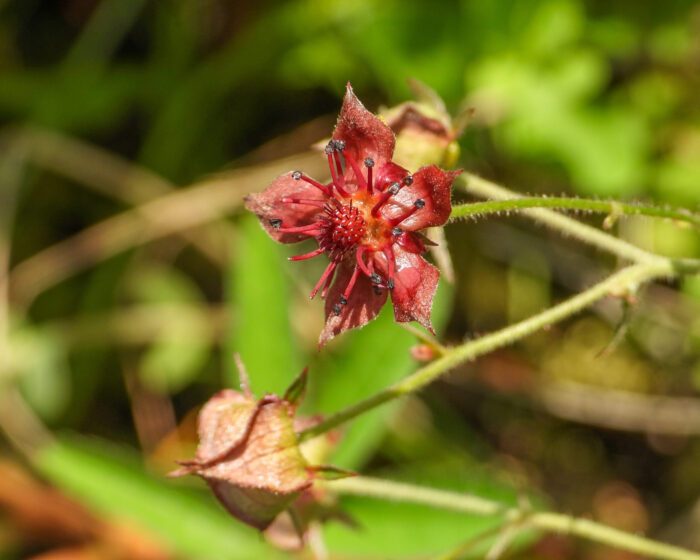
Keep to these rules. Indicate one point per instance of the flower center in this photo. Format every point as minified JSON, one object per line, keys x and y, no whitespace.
{"x":343,"y":227}
{"x":351,"y":219}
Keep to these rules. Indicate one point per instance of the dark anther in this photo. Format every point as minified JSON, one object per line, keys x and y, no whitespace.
{"x":375,"y":278}
{"x":394,"y":188}
{"x":339,"y":145}
{"x":420,"y":203}
{"x":390,"y":283}
{"x":276,"y":223}
{"x":336,"y":309}
{"x":408,"y":180}
{"x":330,"y":147}
{"x":397,"y":230}
{"x":377,"y":290}
{"x":296,"y":175}
{"x":369,"y":162}
{"x":343,"y":300}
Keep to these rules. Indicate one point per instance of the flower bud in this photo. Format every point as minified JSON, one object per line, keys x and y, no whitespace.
{"x":422,"y":352}
{"x":425,"y":132}
{"x":422,"y":136}
{"x":249,"y":456}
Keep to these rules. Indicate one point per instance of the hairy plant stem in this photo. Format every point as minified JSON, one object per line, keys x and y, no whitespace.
{"x":612,"y":208}
{"x":569,"y":227}
{"x":543,"y":520}
{"x":627,"y":279}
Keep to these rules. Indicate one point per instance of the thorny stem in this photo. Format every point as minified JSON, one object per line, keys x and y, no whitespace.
{"x":626,"y":279}
{"x":475,"y":185}
{"x":612,"y":208}
{"x":544,"y":520}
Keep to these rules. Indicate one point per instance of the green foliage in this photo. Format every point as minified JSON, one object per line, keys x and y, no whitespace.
{"x":40,"y":361}
{"x":259,"y":296}
{"x":181,"y":349}
{"x":111,"y":480}
{"x":570,"y":97}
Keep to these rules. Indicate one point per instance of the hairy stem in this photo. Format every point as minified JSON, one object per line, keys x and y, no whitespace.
{"x":475,"y":185}
{"x":546,"y":521}
{"x":626,"y":279}
{"x":612,"y":208}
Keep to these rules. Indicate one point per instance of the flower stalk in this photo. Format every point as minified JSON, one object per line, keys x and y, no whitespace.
{"x":612,"y":208}
{"x":542,"y":520}
{"x":626,"y":279}
{"x":475,"y":185}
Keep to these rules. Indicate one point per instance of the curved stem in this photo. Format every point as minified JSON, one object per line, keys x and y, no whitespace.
{"x":475,"y":185}
{"x":546,"y":521}
{"x":612,"y":208}
{"x":626,"y":279}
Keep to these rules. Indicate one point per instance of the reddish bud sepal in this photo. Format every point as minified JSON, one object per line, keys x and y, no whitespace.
{"x":422,"y":353}
{"x":366,"y":220}
{"x":249,"y":456}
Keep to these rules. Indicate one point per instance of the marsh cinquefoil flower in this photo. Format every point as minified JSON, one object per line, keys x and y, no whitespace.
{"x":366,"y":220}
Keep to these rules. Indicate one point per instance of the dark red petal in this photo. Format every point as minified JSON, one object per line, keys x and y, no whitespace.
{"x":268,"y":205}
{"x":365,"y":134}
{"x":431,"y":184}
{"x":411,"y":242}
{"x":387,"y":174}
{"x":363,"y":304}
{"x":415,"y":281}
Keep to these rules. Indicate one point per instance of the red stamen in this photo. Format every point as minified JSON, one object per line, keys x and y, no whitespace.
{"x":351,"y":285}
{"x":356,"y":169}
{"x":310,"y":255}
{"x":334,"y":176}
{"x":305,"y":201}
{"x":397,"y":221}
{"x":300,"y":229}
{"x":326,"y":277}
{"x":358,"y":256}
{"x":369,"y":164}
{"x":390,"y":258}
{"x":327,"y":285}
{"x":339,"y":167}
{"x":391,"y":191}
{"x":299,"y":175}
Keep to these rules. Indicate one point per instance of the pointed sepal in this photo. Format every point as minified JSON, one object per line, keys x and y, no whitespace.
{"x":329,"y":472}
{"x":296,"y":391}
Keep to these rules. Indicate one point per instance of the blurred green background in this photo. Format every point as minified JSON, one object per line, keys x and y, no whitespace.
{"x":131,"y":129}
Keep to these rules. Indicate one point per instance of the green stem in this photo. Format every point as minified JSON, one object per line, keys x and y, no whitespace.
{"x":547,"y":521}
{"x":571,"y":228}
{"x":625,"y":279}
{"x":612,"y":208}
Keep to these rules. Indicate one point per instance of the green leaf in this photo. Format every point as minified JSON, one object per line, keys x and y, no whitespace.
{"x":259,"y":301}
{"x":370,"y":359}
{"x":111,"y":480}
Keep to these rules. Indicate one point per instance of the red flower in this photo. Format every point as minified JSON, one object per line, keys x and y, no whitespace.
{"x":367,"y":221}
